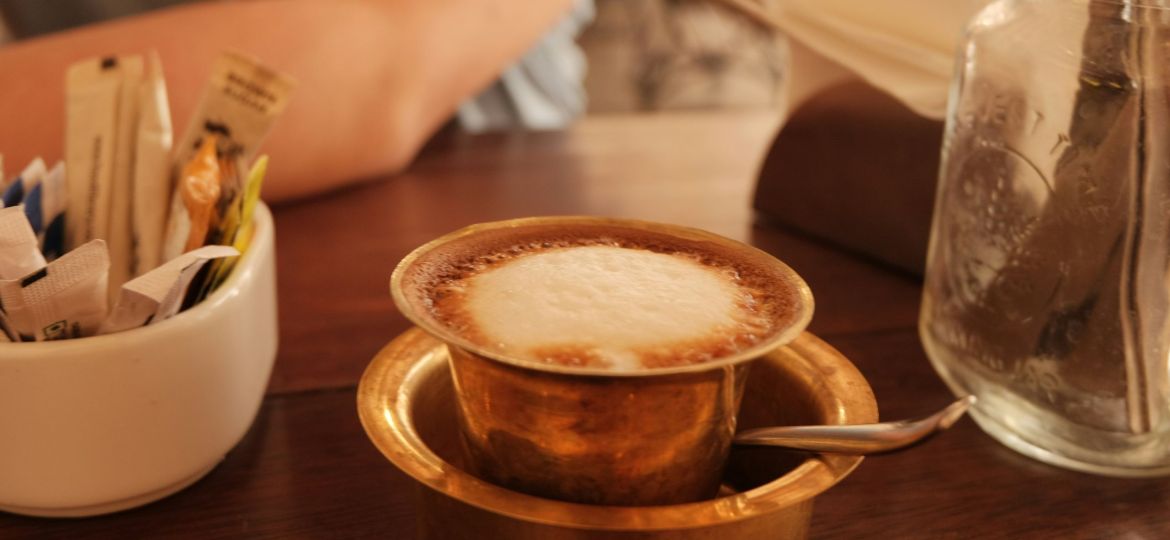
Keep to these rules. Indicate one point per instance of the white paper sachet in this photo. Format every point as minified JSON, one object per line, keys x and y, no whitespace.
{"x":19,"y":254}
{"x":120,"y":239}
{"x":91,"y":116}
{"x":7,"y":334}
{"x":22,"y":185}
{"x":101,"y":109}
{"x":152,"y":180}
{"x":66,"y":299}
{"x":157,"y":295}
{"x":240,"y":104}
{"x":15,"y":257}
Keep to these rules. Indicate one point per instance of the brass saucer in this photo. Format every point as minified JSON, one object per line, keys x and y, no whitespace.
{"x":406,"y":406}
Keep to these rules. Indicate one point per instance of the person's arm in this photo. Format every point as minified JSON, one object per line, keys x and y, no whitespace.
{"x":375,"y":77}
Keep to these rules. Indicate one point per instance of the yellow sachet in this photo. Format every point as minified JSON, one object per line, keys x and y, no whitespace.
{"x":237,"y":227}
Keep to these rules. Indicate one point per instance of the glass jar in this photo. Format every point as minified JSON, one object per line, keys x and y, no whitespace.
{"x":1047,"y":279}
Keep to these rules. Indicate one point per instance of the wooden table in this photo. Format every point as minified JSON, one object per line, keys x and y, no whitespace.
{"x":306,"y":469}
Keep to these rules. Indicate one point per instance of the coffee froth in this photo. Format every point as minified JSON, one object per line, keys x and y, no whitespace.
{"x":605,"y":298}
{"x":605,"y":306}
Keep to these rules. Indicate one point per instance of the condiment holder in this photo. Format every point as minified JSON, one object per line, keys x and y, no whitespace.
{"x":100,"y":424}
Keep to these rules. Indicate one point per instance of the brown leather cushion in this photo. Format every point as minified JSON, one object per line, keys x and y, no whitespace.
{"x":855,"y":167}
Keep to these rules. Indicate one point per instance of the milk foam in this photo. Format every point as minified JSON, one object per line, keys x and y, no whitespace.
{"x":612,"y":304}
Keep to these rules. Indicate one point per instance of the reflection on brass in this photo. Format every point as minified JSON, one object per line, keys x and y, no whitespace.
{"x":586,"y":434}
{"x":601,"y":440}
{"x":407,"y":406}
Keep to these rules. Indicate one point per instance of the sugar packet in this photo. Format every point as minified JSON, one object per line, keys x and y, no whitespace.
{"x":240,"y":104}
{"x":235,"y":230}
{"x":19,"y":254}
{"x":101,"y":115}
{"x":121,"y":232}
{"x":7,"y":333}
{"x":199,"y":187}
{"x":152,"y":169}
{"x":157,"y":295}
{"x":45,"y":209}
{"x":237,"y":209}
{"x":66,"y":299}
{"x":91,"y":105}
{"x":29,"y":178}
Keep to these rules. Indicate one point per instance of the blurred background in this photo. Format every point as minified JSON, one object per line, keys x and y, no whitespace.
{"x":655,"y":55}
{"x":641,"y":55}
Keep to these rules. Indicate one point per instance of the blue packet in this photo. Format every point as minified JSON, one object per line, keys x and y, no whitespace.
{"x":22,"y":185}
{"x":44,"y":207}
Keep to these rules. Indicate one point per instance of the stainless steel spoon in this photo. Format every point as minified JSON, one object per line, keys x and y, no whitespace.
{"x":857,"y":439}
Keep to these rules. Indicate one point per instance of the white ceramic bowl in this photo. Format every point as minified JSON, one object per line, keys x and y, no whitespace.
{"x":106,"y":423}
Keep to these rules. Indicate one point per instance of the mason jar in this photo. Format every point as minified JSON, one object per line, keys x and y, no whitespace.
{"x":1046,"y":286}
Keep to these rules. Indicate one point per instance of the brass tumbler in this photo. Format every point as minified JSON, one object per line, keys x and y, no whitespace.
{"x":653,"y":436}
{"x":634,"y":441}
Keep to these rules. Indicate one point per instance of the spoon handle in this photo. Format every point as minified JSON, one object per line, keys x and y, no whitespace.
{"x":854,"y":440}
{"x":857,"y":439}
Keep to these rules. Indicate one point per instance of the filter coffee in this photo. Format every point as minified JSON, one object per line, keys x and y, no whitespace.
{"x":604,"y":297}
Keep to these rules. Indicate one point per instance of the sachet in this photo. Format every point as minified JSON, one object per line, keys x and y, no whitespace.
{"x":22,"y":185}
{"x":45,"y":209}
{"x":158,"y":295}
{"x":152,"y":169}
{"x":65,"y":299}
{"x":101,"y":117}
{"x":19,"y":255}
{"x":235,"y":230}
{"x":239,"y":106}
